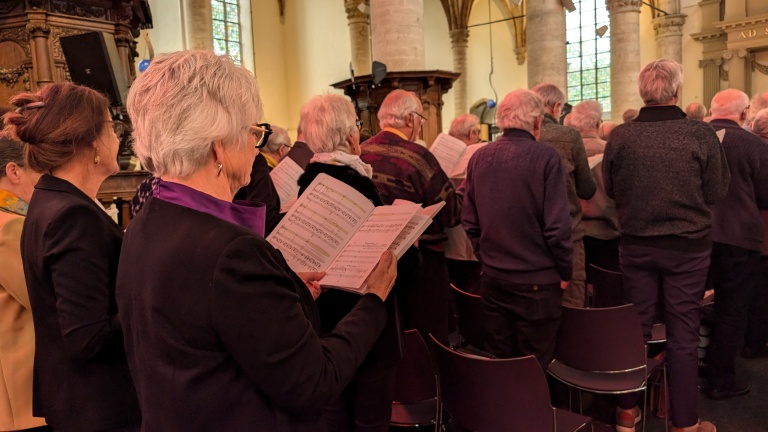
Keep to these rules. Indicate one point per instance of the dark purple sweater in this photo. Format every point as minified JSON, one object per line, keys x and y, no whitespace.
{"x":736,"y":219}
{"x":515,"y":210}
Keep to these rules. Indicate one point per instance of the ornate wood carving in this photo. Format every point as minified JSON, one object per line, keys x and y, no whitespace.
{"x":8,"y":5}
{"x":763,"y":69}
{"x":10,"y":77}
{"x":79,"y":10}
{"x":18,"y":35}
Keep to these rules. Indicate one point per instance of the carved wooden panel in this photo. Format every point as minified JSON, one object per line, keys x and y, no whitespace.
{"x":14,"y":67}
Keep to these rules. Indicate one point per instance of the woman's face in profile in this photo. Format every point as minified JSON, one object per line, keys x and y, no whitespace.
{"x":107,"y":146}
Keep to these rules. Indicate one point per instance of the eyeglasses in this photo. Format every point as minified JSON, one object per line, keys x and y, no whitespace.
{"x":423,"y":119}
{"x":119,"y":127}
{"x":359,"y":124}
{"x":261,"y":133}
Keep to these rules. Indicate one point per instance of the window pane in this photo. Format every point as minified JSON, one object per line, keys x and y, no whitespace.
{"x":604,"y":44}
{"x":604,"y":75}
{"x":588,"y":76}
{"x":574,"y":94}
{"x":604,"y":59}
{"x":219,"y":30}
{"x":574,"y":65}
{"x":219,"y":46}
{"x":574,"y":79}
{"x":233,"y":32}
{"x":217,"y":10}
{"x":589,"y":92}
{"x":232,"y":14}
{"x":588,"y":56}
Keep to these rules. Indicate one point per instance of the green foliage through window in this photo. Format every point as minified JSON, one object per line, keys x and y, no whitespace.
{"x":226,"y":28}
{"x":588,"y":55}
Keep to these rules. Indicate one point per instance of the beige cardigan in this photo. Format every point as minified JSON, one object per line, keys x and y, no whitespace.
{"x":17,"y":333}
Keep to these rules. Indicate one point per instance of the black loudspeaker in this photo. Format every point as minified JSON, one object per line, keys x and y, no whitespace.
{"x":93,"y":61}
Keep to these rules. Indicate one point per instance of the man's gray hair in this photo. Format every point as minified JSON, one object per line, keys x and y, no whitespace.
{"x":10,"y":151}
{"x":695,"y":111}
{"x":660,"y":81}
{"x":278,"y":139}
{"x":396,"y":107}
{"x":463,"y":125}
{"x":519,"y":110}
{"x":550,"y":94}
{"x":730,"y":102}
{"x":604,"y":132}
{"x":758,"y":103}
{"x":586,"y":116}
{"x":327,"y":121}
{"x":184,"y":102}
{"x":760,"y":123}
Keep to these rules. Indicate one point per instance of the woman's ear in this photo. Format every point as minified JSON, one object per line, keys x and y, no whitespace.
{"x":218,"y":151}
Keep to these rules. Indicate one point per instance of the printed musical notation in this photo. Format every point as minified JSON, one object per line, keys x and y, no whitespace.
{"x":285,"y":177}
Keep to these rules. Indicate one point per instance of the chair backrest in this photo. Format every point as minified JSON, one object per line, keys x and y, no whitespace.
{"x":490,"y":395}
{"x":415,"y":377}
{"x":470,"y":309}
{"x":607,"y":287}
{"x":601,"y":340}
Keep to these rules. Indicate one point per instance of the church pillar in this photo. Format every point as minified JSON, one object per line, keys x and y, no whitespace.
{"x":398,"y":34}
{"x":459,"y":44}
{"x":669,"y":36}
{"x":545,"y":42}
{"x":737,"y":70}
{"x":711,"y":79}
{"x":199,"y":24}
{"x":625,"y":55}
{"x":359,"y":35}
{"x":40,"y":32}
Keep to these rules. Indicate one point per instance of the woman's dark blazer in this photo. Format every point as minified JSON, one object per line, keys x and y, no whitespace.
{"x":221,"y":334}
{"x":70,"y":249}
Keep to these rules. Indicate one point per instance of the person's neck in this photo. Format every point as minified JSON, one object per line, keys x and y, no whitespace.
{"x":205,"y":182}
{"x":82,"y":176}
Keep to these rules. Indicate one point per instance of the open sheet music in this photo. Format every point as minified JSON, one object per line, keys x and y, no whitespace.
{"x":335,"y":229}
{"x":453,"y":155}
{"x":285,"y":177}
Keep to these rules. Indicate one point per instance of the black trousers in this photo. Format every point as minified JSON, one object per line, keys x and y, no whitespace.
{"x":757,"y":322}
{"x":425,"y":296}
{"x":521,"y":320}
{"x":733,"y":272}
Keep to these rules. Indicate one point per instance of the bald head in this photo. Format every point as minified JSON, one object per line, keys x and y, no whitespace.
{"x":730,"y":104}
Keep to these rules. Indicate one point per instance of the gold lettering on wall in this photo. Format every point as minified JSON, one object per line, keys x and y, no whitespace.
{"x":751,"y":33}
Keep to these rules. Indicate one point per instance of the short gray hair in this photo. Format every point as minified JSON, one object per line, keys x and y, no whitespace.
{"x":396,"y":107}
{"x":519,"y":110}
{"x":550,"y":94}
{"x":277,"y":139}
{"x":327,"y":121}
{"x":11,"y":151}
{"x":758,"y":103}
{"x":730,"y":102}
{"x":185,"y":101}
{"x":463,"y":125}
{"x":586,"y":115}
{"x":695,"y":111}
{"x":760,"y":123}
{"x":660,"y":81}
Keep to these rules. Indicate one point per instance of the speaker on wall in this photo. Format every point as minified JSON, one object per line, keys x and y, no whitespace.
{"x":93,"y":61}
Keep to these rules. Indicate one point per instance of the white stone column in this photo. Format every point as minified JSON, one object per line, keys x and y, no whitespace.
{"x":359,"y":35}
{"x":669,"y":36}
{"x":199,"y":25}
{"x":459,"y":44}
{"x":545,"y":43}
{"x":397,"y":28}
{"x":625,"y":55}
{"x":736,"y":67}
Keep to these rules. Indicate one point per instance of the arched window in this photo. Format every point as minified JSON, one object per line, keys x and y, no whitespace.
{"x":589,"y":54}
{"x":226,"y":28}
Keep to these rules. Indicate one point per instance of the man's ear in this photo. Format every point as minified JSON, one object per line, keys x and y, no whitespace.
{"x":12,"y":172}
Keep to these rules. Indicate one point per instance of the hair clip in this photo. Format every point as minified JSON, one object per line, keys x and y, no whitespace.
{"x":30,"y":106}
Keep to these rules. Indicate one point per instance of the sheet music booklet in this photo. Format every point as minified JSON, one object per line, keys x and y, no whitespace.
{"x":453,"y":155}
{"x":335,"y":229}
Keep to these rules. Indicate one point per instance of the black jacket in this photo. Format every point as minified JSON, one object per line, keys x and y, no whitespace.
{"x":70,"y":249}
{"x":221,"y":334}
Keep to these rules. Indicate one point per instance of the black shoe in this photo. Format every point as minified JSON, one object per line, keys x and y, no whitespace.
{"x":719,"y":394}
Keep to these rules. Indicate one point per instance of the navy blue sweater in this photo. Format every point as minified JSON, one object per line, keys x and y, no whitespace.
{"x":515,"y":210}
{"x":736,"y":219}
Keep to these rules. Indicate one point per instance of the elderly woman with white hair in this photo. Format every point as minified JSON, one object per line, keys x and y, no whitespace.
{"x":278,"y":146}
{"x":332,"y":131}
{"x":664,"y":171}
{"x":220,"y":334}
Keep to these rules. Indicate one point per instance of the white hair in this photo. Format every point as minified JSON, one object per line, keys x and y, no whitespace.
{"x":730,"y":102}
{"x":550,"y":94}
{"x":396,"y":107}
{"x":760,"y":123}
{"x":277,"y":139}
{"x":463,"y":125}
{"x":758,"y":103}
{"x":586,"y":115}
{"x":327,"y":121}
{"x":659,"y":82}
{"x":519,"y":110}
{"x":184,"y":102}
{"x":695,"y":111}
